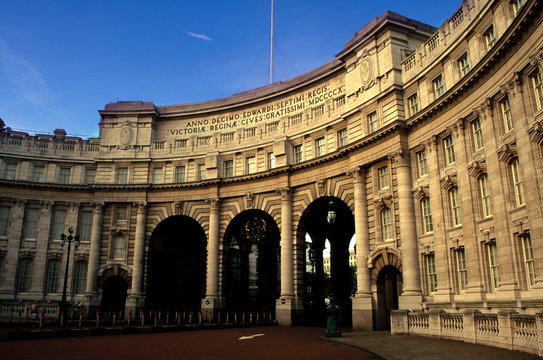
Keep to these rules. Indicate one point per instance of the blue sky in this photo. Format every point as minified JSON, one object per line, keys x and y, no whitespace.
{"x":62,"y":61}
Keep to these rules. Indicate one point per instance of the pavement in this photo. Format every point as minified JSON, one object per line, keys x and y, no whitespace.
{"x":402,"y":347}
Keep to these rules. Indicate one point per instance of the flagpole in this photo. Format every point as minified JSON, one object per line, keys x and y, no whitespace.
{"x":271,"y":45}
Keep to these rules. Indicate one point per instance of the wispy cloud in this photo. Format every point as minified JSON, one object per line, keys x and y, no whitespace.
{"x":199,"y":36}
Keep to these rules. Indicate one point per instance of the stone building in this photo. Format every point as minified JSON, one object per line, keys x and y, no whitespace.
{"x":425,"y":142}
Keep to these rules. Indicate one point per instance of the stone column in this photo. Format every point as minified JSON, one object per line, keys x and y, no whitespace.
{"x":212,"y":301}
{"x":285,"y":305}
{"x":362,"y":303}
{"x":411,"y":292}
{"x":14,"y":235}
{"x":135,"y":299}
{"x":94,"y":256}
{"x":39,"y":265}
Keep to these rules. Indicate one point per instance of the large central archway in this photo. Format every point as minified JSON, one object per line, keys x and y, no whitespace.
{"x":251,"y":257}
{"x":176,"y":265}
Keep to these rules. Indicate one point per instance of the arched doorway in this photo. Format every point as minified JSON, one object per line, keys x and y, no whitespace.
{"x":320,"y":283}
{"x":251,"y":262}
{"x":387,"y":295}
{"x":114,"y":291}
{"x":176,"y":265}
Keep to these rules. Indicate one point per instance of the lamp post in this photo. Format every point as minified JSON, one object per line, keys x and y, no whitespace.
{"x":69,"y":239}
{"x":332,"y":324}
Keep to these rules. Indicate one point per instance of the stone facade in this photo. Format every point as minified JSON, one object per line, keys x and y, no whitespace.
{"x":428,"y":142}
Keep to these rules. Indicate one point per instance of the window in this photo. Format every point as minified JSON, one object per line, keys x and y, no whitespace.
{"x":319,"y":147}
{"x":179,"y":174}
{"x":538,"y":89}
{"x":431,"y":274}
{"x":492,"y":252}
{"x":228,"y":168}
{"x":372,"y":122}
{"x":271,"y":161}
{"x":51,"y":282}
{"x":31,"y":223}
{"x":507,"y":118}
{"x":202,"y":172}
{"x":10,"y":169}
{"x":121,"y":177}
{"x":80,"y":277}
{"x":490,"y":38}
{"x":449,"y":150}
{"x":85,"y":225}
{"x":90,"y":174}
{"x":463,"y":65}
{"x":529,"y":262}
{"x":157,"y":175}
{"x":341,"y":138}
{"x":4,"y":220}
{"x":427,"y":224}
{"x":24,"y":275}
{"x":298,"y":156}
{"x":517,"y":183}
{"x":59,"y":219}
{"x":120,"y":213}
{"x":382,"y":174}
{"x":37,"y":173}
{"x":517,"y":4}
{"x":422,"y":165}
{"x":461,"y":269}
{"x":386,"y":224}
{"x":477,"y":133}
{"x":63,"y":175}
{"x":118,"y":247}
{"x":456,"y":213}
{"x":485,"y":196}
{"x":413,"y":104}
{"x":250,"y":165}
{"x":439,"y":88}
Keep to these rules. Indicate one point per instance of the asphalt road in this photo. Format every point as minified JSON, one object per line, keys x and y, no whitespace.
{"x":250,"y":343}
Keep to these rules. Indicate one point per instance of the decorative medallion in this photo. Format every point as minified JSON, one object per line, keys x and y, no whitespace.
{"x":125,"y":137}
{"x":255,"y":229}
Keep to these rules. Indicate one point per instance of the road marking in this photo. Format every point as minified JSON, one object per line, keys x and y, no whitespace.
{"x":250,"y":337}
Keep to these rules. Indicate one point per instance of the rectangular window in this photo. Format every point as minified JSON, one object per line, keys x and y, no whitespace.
{"x":462,"y":270}
{"x":439,"y":88}
{"x":120,"y":213}
{"x":485,"y":196}
{"x":517,"y":4}
{"x":250,"y":165}
{"x":477,"y":134}
{"x":529,"y":261}
{"x":4,"y":221}
{"x":24,"y":275}
{"x":80,"y":277}
{"x":121,"y":176}
{"x":463,"y":65}
{"x":507,"y":118}
{"x":386,"y":224}
{"x":10,"y":170}
{"x":456,"y":213}
{"x":449,"y":150}
{"x":31,"y":223}
{"x":319,"y":147}
{"x":90,"y":175}
{"x":202,"y":172}
{"x":341,"y":138}
{"x":427,"y":223}
{"x":298,"y":156}
{"x":228,"y":168}
{"x":382,"y":174}
{"x":59,"y":219}
{"x":51,"y":284}
{"x":537,"y":83}
{"x":372,"y":122}
{"x":413,"y":104}
{"x":179,"y":174}
{"x":431,"y":273}
{"x":64,"y":175}
{"x":38,"y":173}
{"x":490,"y":37}
{"x":517,"y":183}
{"x":422,"y":165}
{"x":494,"y":268}
{"x":85,"y":225}
{"x":271,"y":161}
{"x":118,"y":247}
{"x":157,"y":175}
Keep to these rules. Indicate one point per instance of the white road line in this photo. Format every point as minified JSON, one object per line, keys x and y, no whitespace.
{"x":250,"y":337}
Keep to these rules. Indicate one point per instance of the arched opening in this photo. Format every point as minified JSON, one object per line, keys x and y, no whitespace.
{"x":176,"y":265}
{"x":114,"y":291}
{"x":251,"y":262}
{"x":388,"y":290}
{"x":327,"y":271}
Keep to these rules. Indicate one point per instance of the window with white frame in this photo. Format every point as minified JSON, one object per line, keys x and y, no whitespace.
{"x":413,"y":104}
{"x":456,"y":213}
{"x":121,"y":175}
{"x":59,"y":219}
{"x":422,"y":164}
{"x":319,"y":147}
{"x":448,"y":146}
{"x":157,"y":175}
{"x":489,"y":37}
{"x":80,"y":276}
{"x":228,"y":168}
{"x":386,"y":224}
{"x":477,"y":134}
{"x":31,"y":223}
{"x":372,"y":122}
{"x":438,"y":86}
{"x":250,"y":165}
{"x":24,"y":275}
{"x":201,"y":172}
{"x":517,"y":182}
{"x":507,"y":117}
{"x":298,"y":155}
{"x":85,"y":225}
{"x":4,"y":220}
{"x":427,"y":224}
{"x":494,"y":268}
{"x":10,"y":170}
{"x":180,"y":174}
{"x":51,"y":282}
{"x":463,"y":65}
{"x":38,"y":172}
{"x":529,"y":261}
{"x":118,"y":247}
{"x":461,"y":269}
{"x":64,"y":175}
{"x":382,"y":174}
{"x":271,"y":161}
{"x":537,"y":83}
{"x":431,"y":274}
{"x":341,"y":138}
{"x":485,"y":196}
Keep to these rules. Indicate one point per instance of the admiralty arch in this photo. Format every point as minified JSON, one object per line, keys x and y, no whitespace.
{"x":420,"y":147}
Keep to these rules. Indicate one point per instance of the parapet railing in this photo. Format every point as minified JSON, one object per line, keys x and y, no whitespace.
{"x":507,"y":329}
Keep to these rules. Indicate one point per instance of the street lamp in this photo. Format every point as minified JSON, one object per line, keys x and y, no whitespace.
{"x":331,"y":217}
{"x":69,"y":239}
